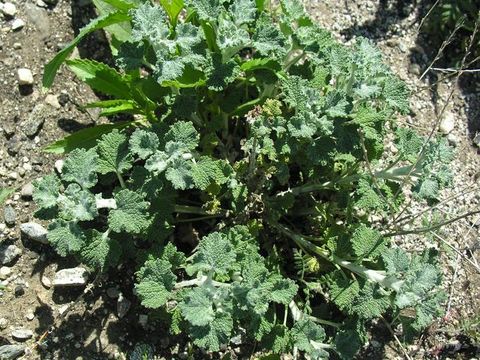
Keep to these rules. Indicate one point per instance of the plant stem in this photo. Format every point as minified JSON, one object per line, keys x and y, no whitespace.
{"x":199,"y":282}
{"x":379,"y":277}
{"x":120,"y":180}
{"x":186,"y":209}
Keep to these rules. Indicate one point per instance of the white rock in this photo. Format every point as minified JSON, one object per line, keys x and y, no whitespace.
{"x":17,"y":24}
{"x":22,"y":334}
{"x":9,"y":9}
{"x":71,"y":277}
{"x":3,"y":323}
{"x":58,"y":166}
{"x":30,"y":315}
{"x":5,"y":272}
{"x":46,"y":282}
{"x":25,"y":76}
{"x":448,"y":123}
{"x":27,"y":191}
{"x":9,"y":253}
{"x":34,"y":231}
{"x":452,"y":139}
{"x":52,"y":100}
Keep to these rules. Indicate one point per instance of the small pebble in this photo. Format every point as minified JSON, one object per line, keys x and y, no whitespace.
{"x":17,"y":46}
{"x":11,"y":352}
{"x":71,"y":277}
{"x":25,"y":76}
{"x":9,"y":9}
{"x":9,"y":215}
{"x":17,"y":24}
{"x":5,"y":272}
{"x":58,"y":166}
{"x":448,"y":123}
{"x":3,"y":323}
{"x":30,"y":315}
{"x":52,"y":100}
{"x":27,"y":191}
{"x":9,"y":254}
{"x":452,"y":139}
{"x":35,"y":232}
{"x":22,"y":334}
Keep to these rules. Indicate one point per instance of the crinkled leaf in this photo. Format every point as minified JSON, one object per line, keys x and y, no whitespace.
{"x":80,"y":166}
{"x":66,"y":237}
{"x":100,"y":251}
{"x":215,"y":253}
{"x":131,"y":214}
{"x":114,"y":155}
{"x":143,"y":143}
{"x":46,"y":191}
{"x":77,"y":204}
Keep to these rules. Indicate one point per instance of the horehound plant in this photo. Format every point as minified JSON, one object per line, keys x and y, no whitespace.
{"x":252,"y":189}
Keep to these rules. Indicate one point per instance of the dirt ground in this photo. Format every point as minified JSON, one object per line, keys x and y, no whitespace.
{"x":92,"y":328}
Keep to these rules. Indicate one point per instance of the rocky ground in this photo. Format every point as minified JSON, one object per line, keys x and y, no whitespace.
{"x":37,"y":318}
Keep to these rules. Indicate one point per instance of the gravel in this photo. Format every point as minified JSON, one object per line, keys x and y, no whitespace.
{"x":70,"y":277}
{"x":35,"y":232}
{"x":11,"y":352}
{"x":448,"y":123}
{"x":27,"y":191}
{"x":24,"y":76}
{"x":9,"y":9}
{"x":22,"y":334}
{"x":35,"y":120}
{"x":9,"y":253}
{"x":9,"y":215}
{"x":17,"y":24}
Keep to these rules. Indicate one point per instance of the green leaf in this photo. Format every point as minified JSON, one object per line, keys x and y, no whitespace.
{"x":85,"y":138}
{"x":156,"y":282}
{"x":243,"y":11}
{"x":173,"y":9}
{"x":143,"y":143}
{"x":77,"y":204}
{"x":131,"y":214}
{"x":184,"y":133}
{"x":101,"y":77}
{"x":260,"y":63}
{"x":120,"y":31}
{"x":66,"y":237}
{"x":197,"y":308}
{"x":122,"y":5}
{"x":367,"y":242}
{"x":46,"y":191}
{"x":98,"y":23}
{"x":207,"y":10}
{"x":113,"y":153}
{"x":207,"y":171}
{"x":113,"y":107}
{"x":306,"y":335}
{"x":179,"y":174}
{"x":80,"y":166}
{"x":217,"y":333}
{"x":100,"y":251}
{"x":5,"y":193}
{"x":219,"y":74}
{"x":215,"y":253}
